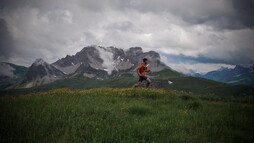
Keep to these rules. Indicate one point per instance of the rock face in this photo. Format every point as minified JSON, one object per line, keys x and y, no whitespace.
{"x":41,"y":73}
{"x":136,"y":55}
{"x":110,"y":59}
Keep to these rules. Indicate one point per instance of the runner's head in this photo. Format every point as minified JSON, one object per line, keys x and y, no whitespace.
{"x":145,"y":60}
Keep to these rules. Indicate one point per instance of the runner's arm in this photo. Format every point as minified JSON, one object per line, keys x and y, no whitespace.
{"x":138,"y":70}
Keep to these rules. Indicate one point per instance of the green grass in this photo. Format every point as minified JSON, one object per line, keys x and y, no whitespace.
{"x":124,"y":115}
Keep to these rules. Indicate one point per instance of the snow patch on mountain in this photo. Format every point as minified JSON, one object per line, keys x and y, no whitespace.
{"x":106,"y":55}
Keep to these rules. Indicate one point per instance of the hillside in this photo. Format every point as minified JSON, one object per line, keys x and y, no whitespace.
{"x":195,"y":85}
{"x":124,"y":115}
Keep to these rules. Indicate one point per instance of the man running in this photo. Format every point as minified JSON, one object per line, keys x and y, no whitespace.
{"x":141,"y":70}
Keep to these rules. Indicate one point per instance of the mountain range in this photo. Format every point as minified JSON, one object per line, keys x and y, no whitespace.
{"x":238,"y":75}
{"x":91,"y":61}
{"x":97,"y":66}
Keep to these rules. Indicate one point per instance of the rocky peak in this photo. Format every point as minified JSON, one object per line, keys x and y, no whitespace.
{"x":39,"y":62}
{"x":110,"y":59}
{"x":87,"y":49}
{"x":41,"y":73}
{"x":135,"y":51}
{"x":152,"y":55}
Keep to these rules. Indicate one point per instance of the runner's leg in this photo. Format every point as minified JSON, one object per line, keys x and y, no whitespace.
{"x":137,"y":85}
{"x":148,"y":82}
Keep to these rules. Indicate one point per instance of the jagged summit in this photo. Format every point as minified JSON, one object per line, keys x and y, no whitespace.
{"x":135,"y":50}
{"x":110,"y":59}
{"x":39,"y":62}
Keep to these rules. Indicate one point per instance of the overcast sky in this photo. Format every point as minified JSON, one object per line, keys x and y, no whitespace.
{"x":199,"y":35}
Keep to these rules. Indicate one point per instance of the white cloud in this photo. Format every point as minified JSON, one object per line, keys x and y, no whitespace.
{"x":197,"y":67}
{"x":6,"y":70}
{"x":164,"y":59}
{"x":52,"y":29}
{"x":192,"y":66}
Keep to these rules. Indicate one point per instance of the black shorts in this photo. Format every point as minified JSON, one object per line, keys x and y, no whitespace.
{"x":141,"y":78}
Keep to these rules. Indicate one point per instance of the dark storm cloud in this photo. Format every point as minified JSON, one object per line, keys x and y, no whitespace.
{"x":14,"y":4}
{"x":6,"y":41}
{"x":228,"y":14}
{"x":204,"y":59}
{"x":241,"y":17}
{"x":245,"y":9}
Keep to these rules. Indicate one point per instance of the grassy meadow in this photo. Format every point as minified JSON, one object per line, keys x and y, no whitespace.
{"x":124,"y":115}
